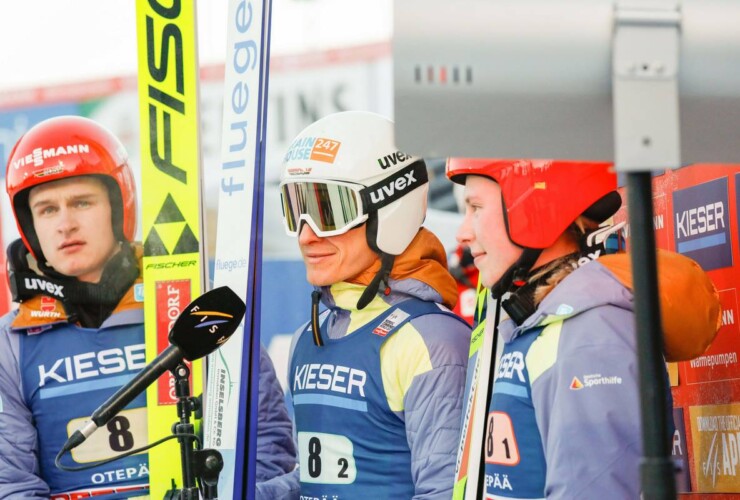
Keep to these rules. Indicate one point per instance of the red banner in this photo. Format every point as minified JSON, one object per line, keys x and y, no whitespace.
{"x":696,"y":214}
{"x":172,"y":297}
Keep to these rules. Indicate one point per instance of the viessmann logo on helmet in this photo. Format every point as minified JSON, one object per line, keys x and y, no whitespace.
{"x":38,"y":155}
{"x":313,"y":148}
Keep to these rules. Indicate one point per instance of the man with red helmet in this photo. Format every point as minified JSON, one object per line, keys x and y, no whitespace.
{"x":564,"y":419}
{"x":78,"y":333}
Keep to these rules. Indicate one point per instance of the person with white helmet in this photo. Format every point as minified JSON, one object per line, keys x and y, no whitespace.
{"x":376,"y":378}
{"x":78,"y":334}
{"x":564,"y":415}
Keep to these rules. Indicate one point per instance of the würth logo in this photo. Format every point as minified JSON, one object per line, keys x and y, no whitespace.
{"x":389,"y":161}
{"x":48,"y":304}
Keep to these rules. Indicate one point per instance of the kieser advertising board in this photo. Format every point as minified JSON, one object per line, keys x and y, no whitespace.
{"x":696,"y":214}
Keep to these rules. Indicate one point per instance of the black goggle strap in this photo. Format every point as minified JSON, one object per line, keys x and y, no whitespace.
{"x":25,"y":283}
{"x":394,"y":187}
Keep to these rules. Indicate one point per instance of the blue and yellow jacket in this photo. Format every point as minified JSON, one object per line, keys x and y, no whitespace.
{"x":382,"y":397}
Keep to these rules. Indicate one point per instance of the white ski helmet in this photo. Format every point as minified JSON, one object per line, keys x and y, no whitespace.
{"x":344,"y":170}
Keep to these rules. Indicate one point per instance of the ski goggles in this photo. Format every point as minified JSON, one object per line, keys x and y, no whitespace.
{"x":330,"y":208}
{"x":334,"y":207}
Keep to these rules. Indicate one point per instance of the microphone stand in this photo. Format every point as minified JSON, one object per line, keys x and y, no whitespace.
{"x":203,"y":465}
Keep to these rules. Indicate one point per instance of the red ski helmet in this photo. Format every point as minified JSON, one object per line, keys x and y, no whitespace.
{"x":542,"y":198}
{"x":63,"y":147}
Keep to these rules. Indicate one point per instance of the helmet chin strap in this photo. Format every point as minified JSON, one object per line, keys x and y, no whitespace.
{"x":382,"y":276}
{"x":119,"y":274}
{"x":520,"y":304}
{"x":516,"y":275}
{"x":386,"y":264}
{"x":315,"y":325}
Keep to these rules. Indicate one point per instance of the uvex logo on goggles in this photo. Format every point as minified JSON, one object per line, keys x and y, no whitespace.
{"x":332,"y":208}
{"x":394,"y":187}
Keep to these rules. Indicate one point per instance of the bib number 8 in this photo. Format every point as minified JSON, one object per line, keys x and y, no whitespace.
{"x":124,"y":432}
{"x":326,"y":458}
{"x":120,"y":438}
{"x":314,"y":457}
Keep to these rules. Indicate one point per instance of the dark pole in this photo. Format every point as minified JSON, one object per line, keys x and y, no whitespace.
{"x":656,"y":467}
{"x":184,"y":430}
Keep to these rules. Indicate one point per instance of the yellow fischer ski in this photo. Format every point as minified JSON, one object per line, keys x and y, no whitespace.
{"x":174,"y":260}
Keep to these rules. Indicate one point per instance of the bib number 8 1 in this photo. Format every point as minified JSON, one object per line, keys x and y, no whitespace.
{"x":326,"y":458}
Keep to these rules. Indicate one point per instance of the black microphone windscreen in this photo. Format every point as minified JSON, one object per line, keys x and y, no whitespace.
{"x":207,"y":322}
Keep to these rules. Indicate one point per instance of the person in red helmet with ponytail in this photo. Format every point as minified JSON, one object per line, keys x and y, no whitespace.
{"x":564,"y":415}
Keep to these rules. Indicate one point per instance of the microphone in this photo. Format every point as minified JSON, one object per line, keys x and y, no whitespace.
{"x":202,"y":327}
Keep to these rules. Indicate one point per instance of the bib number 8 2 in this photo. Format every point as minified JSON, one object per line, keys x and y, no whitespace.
{"x":326,"y":458}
